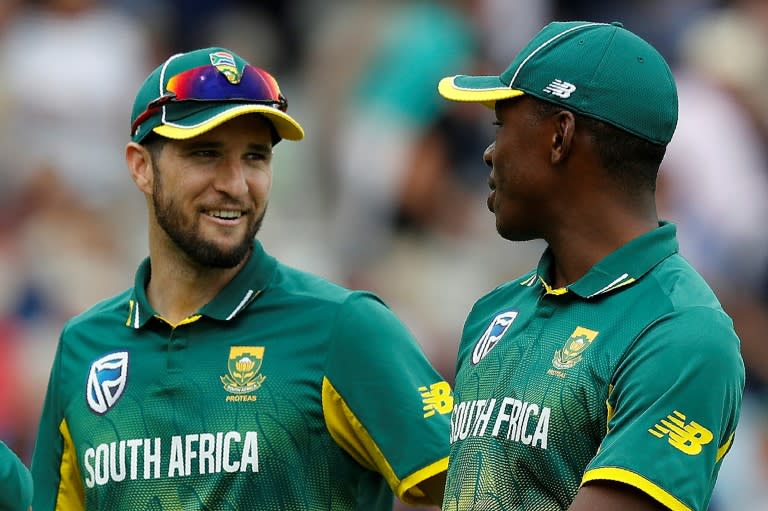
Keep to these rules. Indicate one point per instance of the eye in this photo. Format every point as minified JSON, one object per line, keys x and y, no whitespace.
{"x":498,"y":124}
{"x":258,"y":156}
{"x":205,"y":153}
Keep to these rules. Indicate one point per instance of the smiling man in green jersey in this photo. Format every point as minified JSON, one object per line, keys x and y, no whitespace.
{"x":225,"y":380}
{"x":608,"y":378}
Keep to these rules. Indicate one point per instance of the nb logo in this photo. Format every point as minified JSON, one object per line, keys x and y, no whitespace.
{"x":437,"y":399}
{"x":560,"y":88}
{"x":689,"y":438}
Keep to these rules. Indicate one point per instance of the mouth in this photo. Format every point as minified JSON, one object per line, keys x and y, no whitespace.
{"x":491,"y":196}
{"x":227,"y":216}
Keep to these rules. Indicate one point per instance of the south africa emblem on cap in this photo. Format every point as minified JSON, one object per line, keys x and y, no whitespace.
{"x":225,"y":63}
{"x":244,"y":364}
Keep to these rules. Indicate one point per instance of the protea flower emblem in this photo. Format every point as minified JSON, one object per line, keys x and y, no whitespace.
{"x":244,"y":365}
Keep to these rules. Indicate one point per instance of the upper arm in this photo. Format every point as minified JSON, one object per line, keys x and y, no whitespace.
{"x":383,"y":401}
{"x":609,"y":496}
{"x":673,"y":410}
{"x":434,"y":488}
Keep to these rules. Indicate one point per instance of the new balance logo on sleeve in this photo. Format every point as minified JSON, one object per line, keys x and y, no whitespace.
{"x":687,"y":437}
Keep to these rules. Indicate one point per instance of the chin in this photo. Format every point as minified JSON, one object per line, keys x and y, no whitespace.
{"x":513,"y":234}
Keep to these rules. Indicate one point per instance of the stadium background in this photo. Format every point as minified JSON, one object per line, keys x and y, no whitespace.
{"x":388,"y":190}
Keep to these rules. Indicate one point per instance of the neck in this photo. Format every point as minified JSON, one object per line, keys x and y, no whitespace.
{"x":178,"y":287}
{"x":578,"y":248}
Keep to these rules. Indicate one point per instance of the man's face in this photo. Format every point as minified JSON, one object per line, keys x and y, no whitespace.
{"x":519,"y":158}
{"x":210,"y":192}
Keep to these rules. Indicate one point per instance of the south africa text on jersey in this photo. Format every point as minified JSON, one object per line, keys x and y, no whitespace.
{"x":143,"y":458}
{"x":515,"y":420}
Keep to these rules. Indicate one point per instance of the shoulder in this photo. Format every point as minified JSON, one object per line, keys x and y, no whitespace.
{"x":114,"y":308}
{"x":526,"y":284}
{"x":309,"y":289}
{"x":682,"y":286}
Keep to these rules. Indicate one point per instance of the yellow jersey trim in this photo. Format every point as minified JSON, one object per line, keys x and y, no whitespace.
{"x":610,"y":409}
{"x":411,"y":493}
{"x":625,"y":476}
{"x":130,"y":313}
{"x":71,"y":495}
{"x":552,"y":291}
{"x":723,"y":450}
{"x":350,"y":434}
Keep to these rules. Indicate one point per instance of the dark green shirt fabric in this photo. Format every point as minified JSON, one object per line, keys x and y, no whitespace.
{"x":633,"y":373}
{"x":15,"y":481}
{"x":285,"y":392}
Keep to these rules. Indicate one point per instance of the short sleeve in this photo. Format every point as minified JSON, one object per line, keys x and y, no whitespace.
{"x":673,"y":409}
{"x":383,"y":401}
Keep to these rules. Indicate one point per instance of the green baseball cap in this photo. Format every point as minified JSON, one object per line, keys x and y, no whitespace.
{"x":191,"y":93}
{"x":600,"y":70}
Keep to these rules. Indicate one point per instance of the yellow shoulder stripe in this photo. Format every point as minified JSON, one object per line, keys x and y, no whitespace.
{"x":628,"y":477}
{"x":71,"y":495}
{"x":350,"y":434}
{"x":723,"y":450}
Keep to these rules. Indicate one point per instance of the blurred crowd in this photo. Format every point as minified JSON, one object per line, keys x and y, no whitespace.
{"x":387,"y":191}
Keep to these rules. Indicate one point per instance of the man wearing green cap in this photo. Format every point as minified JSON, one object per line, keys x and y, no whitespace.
{"x":609,"y":377}
{"x":15,"y":481}
{"x":225,"y":380}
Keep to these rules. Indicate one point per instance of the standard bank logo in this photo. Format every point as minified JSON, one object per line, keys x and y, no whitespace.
{"x":106,"y":381}
{"x":492,"y":335}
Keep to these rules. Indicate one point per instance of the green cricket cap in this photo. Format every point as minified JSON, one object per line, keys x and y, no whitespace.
{"x":194,"y":92}
{"x":599,"y":70}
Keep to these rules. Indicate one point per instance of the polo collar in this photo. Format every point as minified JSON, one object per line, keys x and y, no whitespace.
{"x":622,"y":267}
{"x":249,"y":282}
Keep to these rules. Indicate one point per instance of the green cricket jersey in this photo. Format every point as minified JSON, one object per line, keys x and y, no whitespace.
{"x":285,"y":392}
{"x":15,"y":481}
{"x":633,"y":374}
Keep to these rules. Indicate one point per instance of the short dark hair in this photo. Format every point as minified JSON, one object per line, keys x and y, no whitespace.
{"x":154,"y":144}
{"x":632,"y":161}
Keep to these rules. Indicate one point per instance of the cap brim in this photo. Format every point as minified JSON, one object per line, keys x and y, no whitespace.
{"x":476,"y":89}
{"x":285,"y":125}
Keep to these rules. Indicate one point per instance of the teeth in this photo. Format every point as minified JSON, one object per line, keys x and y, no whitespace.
{"x":225,"y":214}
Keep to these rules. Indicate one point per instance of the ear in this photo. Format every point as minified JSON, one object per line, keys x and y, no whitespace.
{"x":139,"y":163}
{"x":562,"y":138}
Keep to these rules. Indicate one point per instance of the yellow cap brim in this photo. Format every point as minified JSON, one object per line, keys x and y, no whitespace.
{"x":486,"y":90}
{"x":285,"y":125}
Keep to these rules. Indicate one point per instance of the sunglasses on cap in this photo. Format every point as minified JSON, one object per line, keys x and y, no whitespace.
{"x":208,"y":84}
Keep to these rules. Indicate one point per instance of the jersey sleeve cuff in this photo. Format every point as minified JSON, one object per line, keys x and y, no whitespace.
{"x":625,"y":476}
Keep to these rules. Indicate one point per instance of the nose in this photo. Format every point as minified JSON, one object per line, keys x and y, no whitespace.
{"x":231,"y":178}
{"x":488,"y":154}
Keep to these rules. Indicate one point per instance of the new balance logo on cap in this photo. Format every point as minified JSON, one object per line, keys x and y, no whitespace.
{"x":560,"y":88}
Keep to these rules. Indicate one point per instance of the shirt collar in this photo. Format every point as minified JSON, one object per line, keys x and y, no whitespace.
{"x":622,"y":267}
{"x":249,"y":282}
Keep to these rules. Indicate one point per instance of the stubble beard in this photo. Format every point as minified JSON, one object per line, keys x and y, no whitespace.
{"x":203,"y":252}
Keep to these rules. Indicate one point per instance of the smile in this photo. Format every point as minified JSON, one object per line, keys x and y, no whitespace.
{"x":224,"y":214}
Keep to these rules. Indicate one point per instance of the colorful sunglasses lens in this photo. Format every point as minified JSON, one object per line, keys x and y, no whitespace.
{"x":207,"y":83}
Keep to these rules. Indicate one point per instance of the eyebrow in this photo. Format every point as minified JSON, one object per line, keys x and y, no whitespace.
{"x":212,"y":144}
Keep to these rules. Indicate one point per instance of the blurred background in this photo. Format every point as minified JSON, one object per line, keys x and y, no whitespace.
{"x":387,"y":191}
